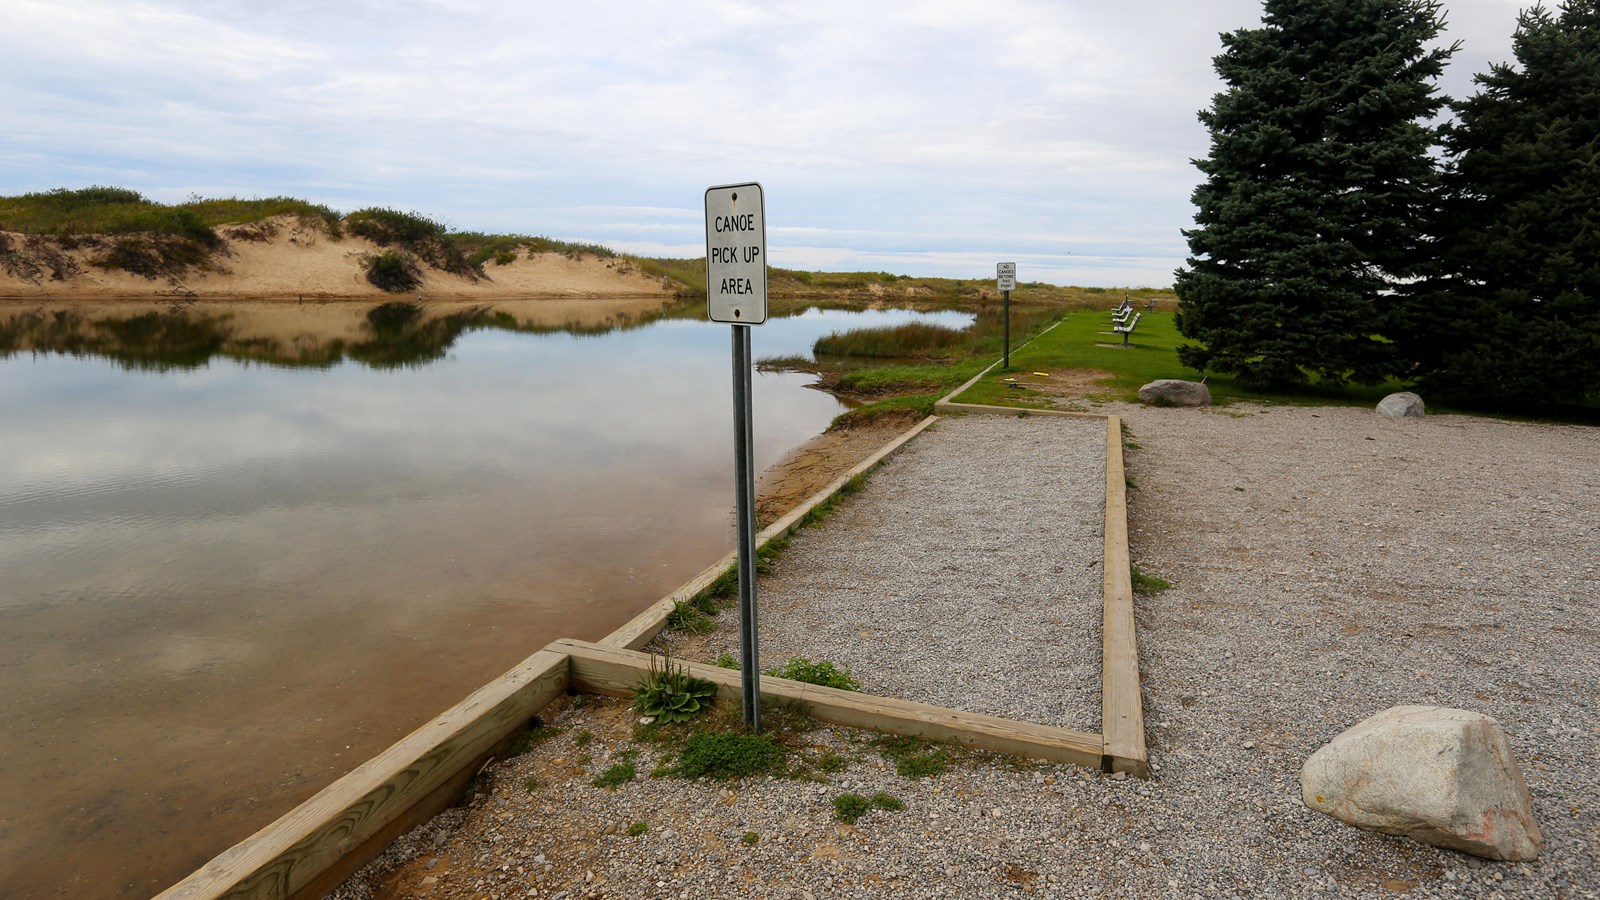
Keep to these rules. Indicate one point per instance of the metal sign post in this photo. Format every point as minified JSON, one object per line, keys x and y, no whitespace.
{"x":736,"y":294}
{"x":1006,"y":279}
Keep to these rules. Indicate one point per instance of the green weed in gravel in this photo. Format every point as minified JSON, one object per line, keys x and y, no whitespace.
{"x":823,"y":673}
{"x":1147,"y":584}
{"x":616,"y":776}
{"x":890,"y":802}
{"x":670,"y":694}
{"x":689,"y":618}
{"x":914,"y":757}
{"x":723,"y":755}
{"x":849,"y":808}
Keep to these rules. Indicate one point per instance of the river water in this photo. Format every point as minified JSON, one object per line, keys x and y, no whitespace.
{"x":236,"y":562}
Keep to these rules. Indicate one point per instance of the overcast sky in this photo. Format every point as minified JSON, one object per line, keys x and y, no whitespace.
{"x":930,"y":138}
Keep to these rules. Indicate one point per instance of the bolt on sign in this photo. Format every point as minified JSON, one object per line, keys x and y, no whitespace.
{"x":736,"y":254}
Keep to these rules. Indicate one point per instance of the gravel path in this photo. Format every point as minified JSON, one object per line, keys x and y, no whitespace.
{"x":1326,"y":564}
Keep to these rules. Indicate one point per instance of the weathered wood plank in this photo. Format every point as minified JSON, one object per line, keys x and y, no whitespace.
{"x":614,"y":671}
{"x":638,"y":631}
{"x":1121,"y":709}
{"x":292,"y":854}
{"x":1018,"y":411}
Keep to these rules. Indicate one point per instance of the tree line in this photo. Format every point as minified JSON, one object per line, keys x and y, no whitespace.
{"x":1347,"y":231}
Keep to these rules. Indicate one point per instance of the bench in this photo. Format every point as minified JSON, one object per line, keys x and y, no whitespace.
{"x":1127,"y":329}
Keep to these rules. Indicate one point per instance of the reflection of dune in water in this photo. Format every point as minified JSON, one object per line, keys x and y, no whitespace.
{"x":185,"y":334}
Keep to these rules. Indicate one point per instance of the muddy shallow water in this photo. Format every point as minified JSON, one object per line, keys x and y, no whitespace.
{"x":234,"y":566}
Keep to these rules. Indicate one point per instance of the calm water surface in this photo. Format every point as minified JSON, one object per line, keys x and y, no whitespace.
{"x":224,"y":583}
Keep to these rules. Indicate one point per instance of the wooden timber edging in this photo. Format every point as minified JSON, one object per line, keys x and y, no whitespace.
{"x":1121,"y":705}
{"x":600,"y":669}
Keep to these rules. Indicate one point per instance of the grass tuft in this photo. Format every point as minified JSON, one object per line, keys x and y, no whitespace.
{"x":823,"y":673}
{"x":725,"y":755}
{"x":616,"y":776}
{"x":1147,"y":584}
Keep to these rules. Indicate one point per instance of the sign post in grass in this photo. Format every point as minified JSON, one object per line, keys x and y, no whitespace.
{"x":1006,"y":280}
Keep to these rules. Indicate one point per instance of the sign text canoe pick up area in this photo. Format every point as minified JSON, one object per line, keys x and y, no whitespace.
{"x":736,"y":254}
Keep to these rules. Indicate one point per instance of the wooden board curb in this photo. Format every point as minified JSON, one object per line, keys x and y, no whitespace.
{"x":1121,"y":709}
{"x":614,"y":671}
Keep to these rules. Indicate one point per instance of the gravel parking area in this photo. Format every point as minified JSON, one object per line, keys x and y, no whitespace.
{"x":1325,"y":565}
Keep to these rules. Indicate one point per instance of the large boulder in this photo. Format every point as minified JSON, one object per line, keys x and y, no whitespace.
{"x":1403,"y":405}
{"x":1440,"y":776}
{"x":1175,"y":392}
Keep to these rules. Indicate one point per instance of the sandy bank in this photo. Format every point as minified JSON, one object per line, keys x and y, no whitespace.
{"x":284,"y":258}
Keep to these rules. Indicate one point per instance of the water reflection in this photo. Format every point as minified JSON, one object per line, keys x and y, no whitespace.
{"x":397,"y":333}
{"x":245,"y":548}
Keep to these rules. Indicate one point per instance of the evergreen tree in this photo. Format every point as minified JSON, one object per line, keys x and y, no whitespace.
{"x":1512,"y":319}
{"x":1318,"y":190}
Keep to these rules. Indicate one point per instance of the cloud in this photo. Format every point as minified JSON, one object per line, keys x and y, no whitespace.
{"x":891,"y":127}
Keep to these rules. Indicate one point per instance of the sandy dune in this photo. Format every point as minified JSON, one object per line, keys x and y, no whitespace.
{"x":297,"y":261}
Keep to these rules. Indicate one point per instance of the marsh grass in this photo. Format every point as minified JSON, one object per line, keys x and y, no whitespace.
{"x":904,"y":341}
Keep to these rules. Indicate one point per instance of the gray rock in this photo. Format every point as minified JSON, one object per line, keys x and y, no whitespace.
{"x":1402,"y":405}
{"x":1441,"y":776}
{"x":1175,"y":392}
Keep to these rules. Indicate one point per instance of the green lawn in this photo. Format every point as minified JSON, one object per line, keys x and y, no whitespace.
{"x":1151,"y":354}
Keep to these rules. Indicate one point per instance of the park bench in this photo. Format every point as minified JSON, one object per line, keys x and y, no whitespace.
{"x":1121,"y":314}
{"x":1127,"y":328}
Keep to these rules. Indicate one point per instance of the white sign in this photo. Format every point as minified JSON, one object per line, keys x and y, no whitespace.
{"x":1006,"y":276}
{"x":736,"y":254}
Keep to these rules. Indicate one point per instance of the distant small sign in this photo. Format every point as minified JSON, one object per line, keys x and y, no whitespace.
{"x":736,"y":254}
{"x":1006,"y":276}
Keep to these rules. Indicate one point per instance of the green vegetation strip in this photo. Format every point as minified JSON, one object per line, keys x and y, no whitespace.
{"x":1083,"y":341}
